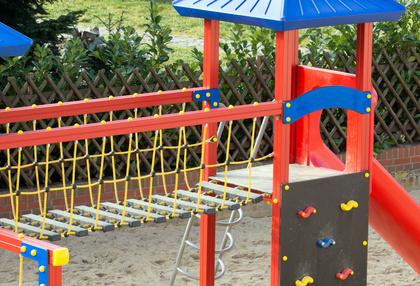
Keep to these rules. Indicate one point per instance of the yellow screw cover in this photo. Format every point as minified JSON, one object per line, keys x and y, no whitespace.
{"x":60,"y":256}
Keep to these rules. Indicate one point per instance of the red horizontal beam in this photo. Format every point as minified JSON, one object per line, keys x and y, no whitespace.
{"x":89,"y":106}
{"x":143,"y":124}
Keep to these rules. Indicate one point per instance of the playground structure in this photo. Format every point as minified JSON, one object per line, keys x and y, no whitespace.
{"x":319,"y":205}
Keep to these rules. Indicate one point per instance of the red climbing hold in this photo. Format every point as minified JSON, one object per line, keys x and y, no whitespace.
{"x":343,"y":275}
{"x":307,"y":212}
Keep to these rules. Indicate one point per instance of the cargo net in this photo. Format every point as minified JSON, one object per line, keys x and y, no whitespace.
{"x":123,"y":180}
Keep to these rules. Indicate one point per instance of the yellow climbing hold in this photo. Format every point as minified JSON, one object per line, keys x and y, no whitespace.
{"x":346,"y":207}
{"x":305,"y":281}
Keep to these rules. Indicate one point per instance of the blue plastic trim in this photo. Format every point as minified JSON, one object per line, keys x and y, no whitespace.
{"x":284,"y":15}
{"x":210,"y":95}
{"x":41,"y":257}
{"x":326,"y":97}
{"x":325,"y":243}
{"x":13,"y":43}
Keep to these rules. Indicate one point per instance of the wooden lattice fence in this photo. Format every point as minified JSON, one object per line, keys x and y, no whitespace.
{"x":395,"y":77}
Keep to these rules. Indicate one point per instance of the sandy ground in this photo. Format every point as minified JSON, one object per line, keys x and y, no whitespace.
{"x":145,"y":256}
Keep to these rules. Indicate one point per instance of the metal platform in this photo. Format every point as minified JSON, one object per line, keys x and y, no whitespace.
{"x":262,"y":176}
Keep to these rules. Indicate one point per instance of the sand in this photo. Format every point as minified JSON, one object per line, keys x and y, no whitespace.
{"x":145,"y":256}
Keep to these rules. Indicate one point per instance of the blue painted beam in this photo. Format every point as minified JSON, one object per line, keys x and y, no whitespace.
{"x":326,"y":97}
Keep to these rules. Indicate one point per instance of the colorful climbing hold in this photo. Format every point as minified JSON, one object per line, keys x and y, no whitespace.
{"x":305,"y":281}
{"x":307,"y":212}
{"x":346,"y":207}
{"x":325,"y":243}
{"x":345,"y":274}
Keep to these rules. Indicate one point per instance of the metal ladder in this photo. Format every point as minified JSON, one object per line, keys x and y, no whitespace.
{"x":227,"y":243}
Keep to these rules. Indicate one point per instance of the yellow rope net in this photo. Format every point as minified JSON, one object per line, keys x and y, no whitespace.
{"x":134,"y":155}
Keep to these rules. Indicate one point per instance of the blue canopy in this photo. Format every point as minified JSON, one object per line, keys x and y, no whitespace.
{"x":13,"y":43}
{"x":284,"y":15}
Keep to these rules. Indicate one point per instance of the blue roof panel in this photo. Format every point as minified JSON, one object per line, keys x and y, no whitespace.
{"x":292,"y":14}
{"x":13,"y":43}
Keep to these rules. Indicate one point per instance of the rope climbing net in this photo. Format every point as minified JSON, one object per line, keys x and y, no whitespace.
{"x":150,"y":201}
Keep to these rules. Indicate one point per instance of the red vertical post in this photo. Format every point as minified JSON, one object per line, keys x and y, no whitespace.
{"x":286,"y":60}
{"x":360,"y":126}
{"x":208,"y":222}
{"x":55,"y":275}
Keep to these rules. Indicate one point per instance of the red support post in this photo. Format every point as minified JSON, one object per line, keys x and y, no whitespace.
{"x":286,"y":56}
{"x":360,"y":126}
{"x":208,"y":222}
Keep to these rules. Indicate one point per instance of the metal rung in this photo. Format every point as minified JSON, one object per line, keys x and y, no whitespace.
{"x":231,"y":205}
{"x":218,"y":189}
{"x":157,"y":218}
{"x":52,"y":236}
{"x":131,"y":222}
{"x":105,"y":226}
{"x":179,"y":202}
{"x":80,"y":232}
{"x":182,"y":213}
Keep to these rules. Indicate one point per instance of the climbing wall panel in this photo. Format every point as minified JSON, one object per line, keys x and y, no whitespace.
{"x":324,"y":231}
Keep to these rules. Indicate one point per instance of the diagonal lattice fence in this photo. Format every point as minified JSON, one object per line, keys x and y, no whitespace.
{"x":395,"y":77}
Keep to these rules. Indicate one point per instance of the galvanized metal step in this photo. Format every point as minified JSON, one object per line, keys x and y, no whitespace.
{"x":52,"y":236}
{"x":159,"y":208}
{"x":206,"y":209}
{"x":209,"y":199}
{"x":84,"y":220}
{"x":136,"y":212}
{"x":111,"y":216}
{"x":79,"y":231}
{"x":243,"y":195}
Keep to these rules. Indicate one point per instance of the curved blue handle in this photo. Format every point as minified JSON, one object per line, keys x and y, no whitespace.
{"x":326,"y":97}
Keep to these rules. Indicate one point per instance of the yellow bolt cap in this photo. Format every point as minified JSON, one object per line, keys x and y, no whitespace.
{"x":256,"y":103}
{"x":110,"y":97}
{"x":21,"y":235}
{"x":367,"y":175}
{"x":364,"y":243}
{"x":215,"y":104}
{"x":76,"y":125}
{"x":207,"y":94}
{"x":197,"y":96}
{"x":369,"y":95}
{"x":41,"y":268}
{"x":7,"y":108}
{"x":288,"y":119}
{"x":33,"y":105}
{"x":288,"y":105}
{"x":23,"y":249}
{"x":61,"y":256}
{"x":286,"y":187}
{"x":156,"y":116}
{"x":230,"y":107}
{"x":368,"y":109}
{"x":285,"y":258}
{"x":20,"y":132}
{"x":206,"y":109}
{"x":60,"y":103}
{"x":33,"y":252}
{"x":130,"y":118}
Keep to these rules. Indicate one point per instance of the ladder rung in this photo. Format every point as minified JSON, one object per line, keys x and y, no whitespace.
{"x":157,"y":218}
{"x":105,"y":226}
{"x":179,"y":202}
{"x":78,"y":230}
{"x":205,"y":198}
{"x":52,"y":236}
{"x":218,"y":189}
{"x":182,"y":213}
{"x":131,"y":222}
